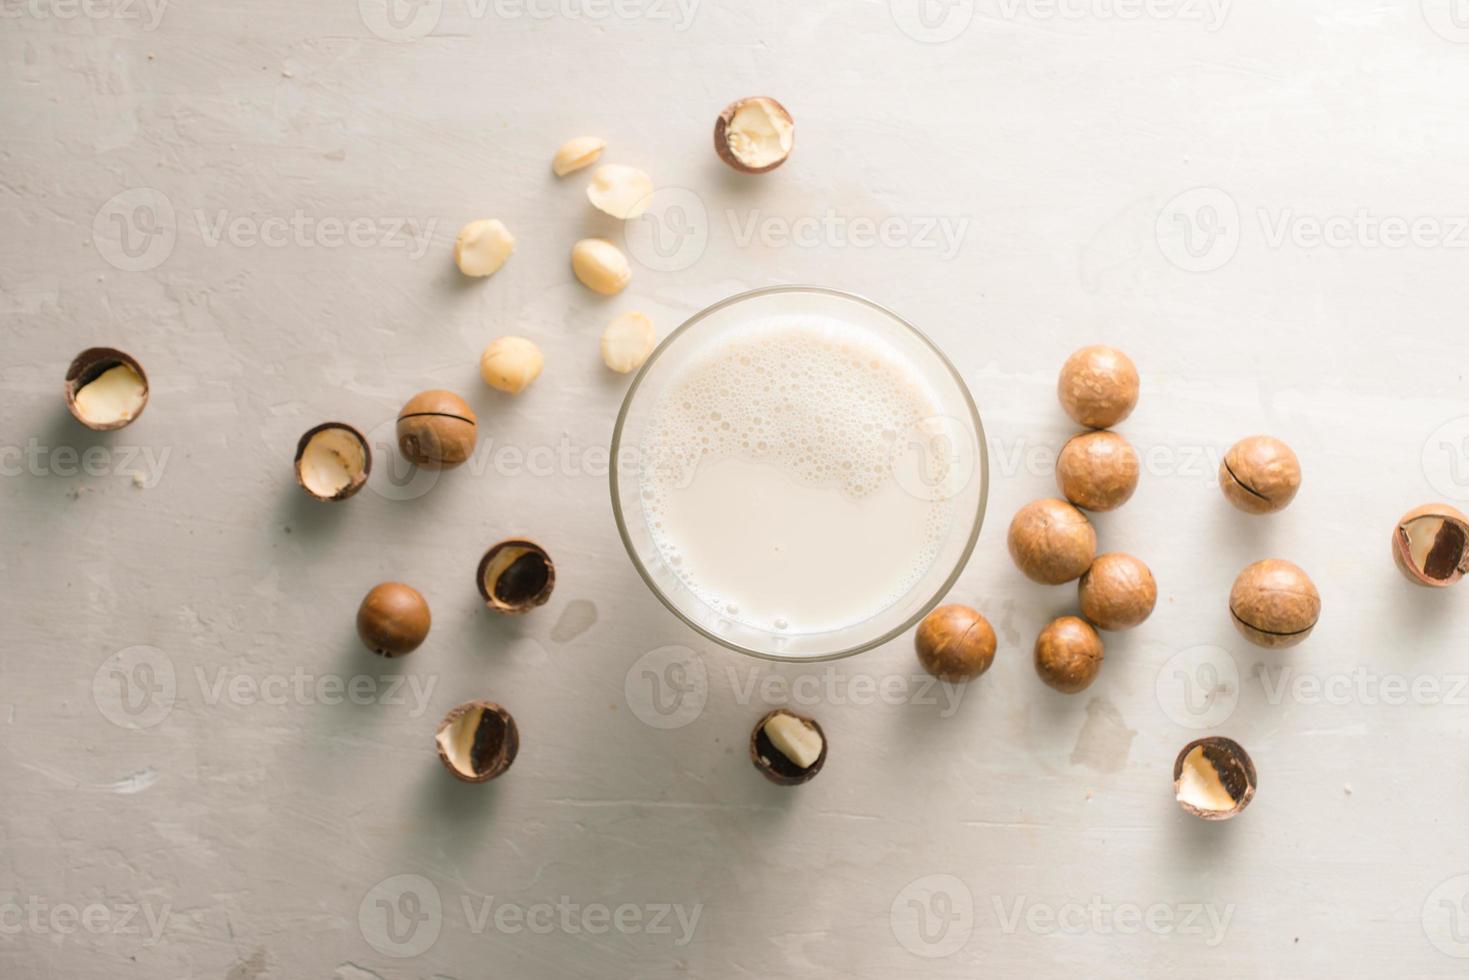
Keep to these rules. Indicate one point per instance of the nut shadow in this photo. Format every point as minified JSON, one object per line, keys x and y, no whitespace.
{"x":311,"y":518}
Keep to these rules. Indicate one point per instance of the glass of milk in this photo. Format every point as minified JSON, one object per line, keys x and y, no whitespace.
{"x":799,"y":473}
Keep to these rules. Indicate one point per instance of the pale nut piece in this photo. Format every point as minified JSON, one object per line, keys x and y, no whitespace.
{"x":1260,"y":475}
{"x":576,"y":153}
{"x":627,"y":342}
{"x":621,"y":191}
{"x":511,"y":364}
{"x":600,"y":266}
{"x":1431,"y":545}
{"x":754,"y":135}
{"x":482,"y":247}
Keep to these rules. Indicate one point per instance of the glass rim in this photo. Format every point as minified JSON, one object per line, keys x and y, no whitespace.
{"x":981,"y":450}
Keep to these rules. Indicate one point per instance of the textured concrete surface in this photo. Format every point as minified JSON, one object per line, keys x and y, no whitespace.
{"x":205,"y":775}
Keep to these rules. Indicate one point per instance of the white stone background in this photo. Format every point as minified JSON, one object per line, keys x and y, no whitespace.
{"x":210,"y":818}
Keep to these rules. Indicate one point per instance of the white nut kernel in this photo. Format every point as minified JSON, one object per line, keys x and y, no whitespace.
{"x":482,"y":247}
{"x":511,"y":364}
{"x":576,"y":153}
{"x":627,"y":342}
{"x":623,"y":192}
{"x":794,"y":740}
{"x":600,"y":266}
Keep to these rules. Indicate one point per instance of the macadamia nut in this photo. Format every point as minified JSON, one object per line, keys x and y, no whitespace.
{"x":1068,"y":654}
{"x":482,"y":247}
{"x":1118,"y":592}
{"x":1274,"y":604}
{"x":1431,"y":545}
{"x":621,"y":191}
{"x":576,"y":153}
{"x":600,"y":266}
{"x":754,"y":135}
{"x":955,"y":643}
{"x":1097,"y":470}
{"x":1260,"y":475}
{"x":511,"y":364}
{"x":1052,"y":542}
{"x":627,"y":342}
{"x":1098,"y":386}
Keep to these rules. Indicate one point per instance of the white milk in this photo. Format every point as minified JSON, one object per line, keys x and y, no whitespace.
{"x":771,"y":492}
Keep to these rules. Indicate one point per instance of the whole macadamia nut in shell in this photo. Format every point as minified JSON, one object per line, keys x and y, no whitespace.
{"x":1118,"y":592}
{"x":1274,"y":604}
{"x":393,"y":619}
{"x":955,"y":643}
{"x":1260,"y":475}
{"x":1098,"y":386}
{"x":1431,"y":545}
{"x":1052,"y":542}
{"x":436,"y":430}
{"x":1097,"y":470}
{"x":1068,"y":654}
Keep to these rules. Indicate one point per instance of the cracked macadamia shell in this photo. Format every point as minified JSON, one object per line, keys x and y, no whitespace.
{"x":955,"y":643}
{"x":1097,"y":470}
{"x":436,"y":430}
{"x":754,"y":135}
{"x":477,"y":741}
{"x":1274,"y":604}
{"x":1098,"y":386}
{"x":1431,"y":545}
{"x":516,"y":576}
{"x":1118,"y":592}
{"x":1214,"y":778}
{"x":787,"y":748}
{"x":1260,"y":475}
{"x":332,"y":461}
{"x":105,"y":388}
{"x":1068,"y":654}
{"x":1052,"y":542}
{"x":393,"y":619}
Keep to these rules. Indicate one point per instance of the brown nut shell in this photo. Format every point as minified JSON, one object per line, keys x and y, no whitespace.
{"x":1052,"y":542}
{"x":393,"y":619}
{"x":1431,"y":545}
{"x":436,"y":430}
{"x":1225,"y":766}
{"x":1260,"y":475}
{"x":1274,"y":604}
{"x":955,"y":643}
{"x":1097,"y":470}
{"x":477,"y":741}
{"x":515,"y":576}
{"x":727,"y":145}
{"x":1118,"y":592}
{"x":772,"y":763}
{"x":1068,"y":654}
{"x":87,"y":367}
{"x":1098,"y":386}
{"x":357,"y":464}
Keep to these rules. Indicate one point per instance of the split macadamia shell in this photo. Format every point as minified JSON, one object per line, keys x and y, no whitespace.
{"x":1068,"y":654}
{"x":1214,"y":778}
{"x":436,"y":430}
{"x":1097,"y":470}
{"x":1098,"y":386}
{"x":393,"y":619}
{"x":105,"y":388}
{"x":478,"y":741}
{"x":333,"y":461}
{"x":955,"y":643}
{"x":1260,"y":475}
{"x":1274,"y":604}
{"x":516,"y":576}
{"x":1118,"y":592}
{"x":801,"y":737}
{"x":754,"y":135}
{"x":1052,"y":542}
{"x":1431,"y":545}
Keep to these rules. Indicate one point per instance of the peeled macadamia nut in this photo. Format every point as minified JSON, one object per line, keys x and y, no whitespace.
{"x":627,"y":342}
{"x":105,"y":388}
{"x":1097,"y":470}
{"x":1274,"y":604}
{"x":1068,"y":654}
{"x":511,"y":364}
{"x":1052,"y":542}
{"x":576,"y":153}
{"x":1098,"y":386}
{"x":623,"y":192}
{"x":1431,"y":545}
{"x":600,"y":266}
{"x":787,"y":748}
{"x":754,"y":135}
{"x":1260,"y":475}
{"x":955,"y":643}
{"x":478,"y":741}
{"x":515,"y":576}
{"x":482,"y":247}
{"x":332,"y":461}
{"x":1214,"y":778}
{"x":393,"y":619}
{"x":1118,"y":592}
{"x":436,"y":430}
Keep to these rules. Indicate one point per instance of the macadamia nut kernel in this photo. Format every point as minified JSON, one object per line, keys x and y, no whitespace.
{"x":621,"y":191}
{"x":1052,"y":542}
{"x":787,"y":748}
{"x":1098,"y":386}
{"x":754,"y":135}
{"x":1260,"y":475}
{"x":1274,"y":604}
{"x":627,"y":342}
{"x":600,"y":266}
{"x":576,"y":153}
{"x":511,"y":364}
{"x":482,"y":247}
{"x":1097,"y":470}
